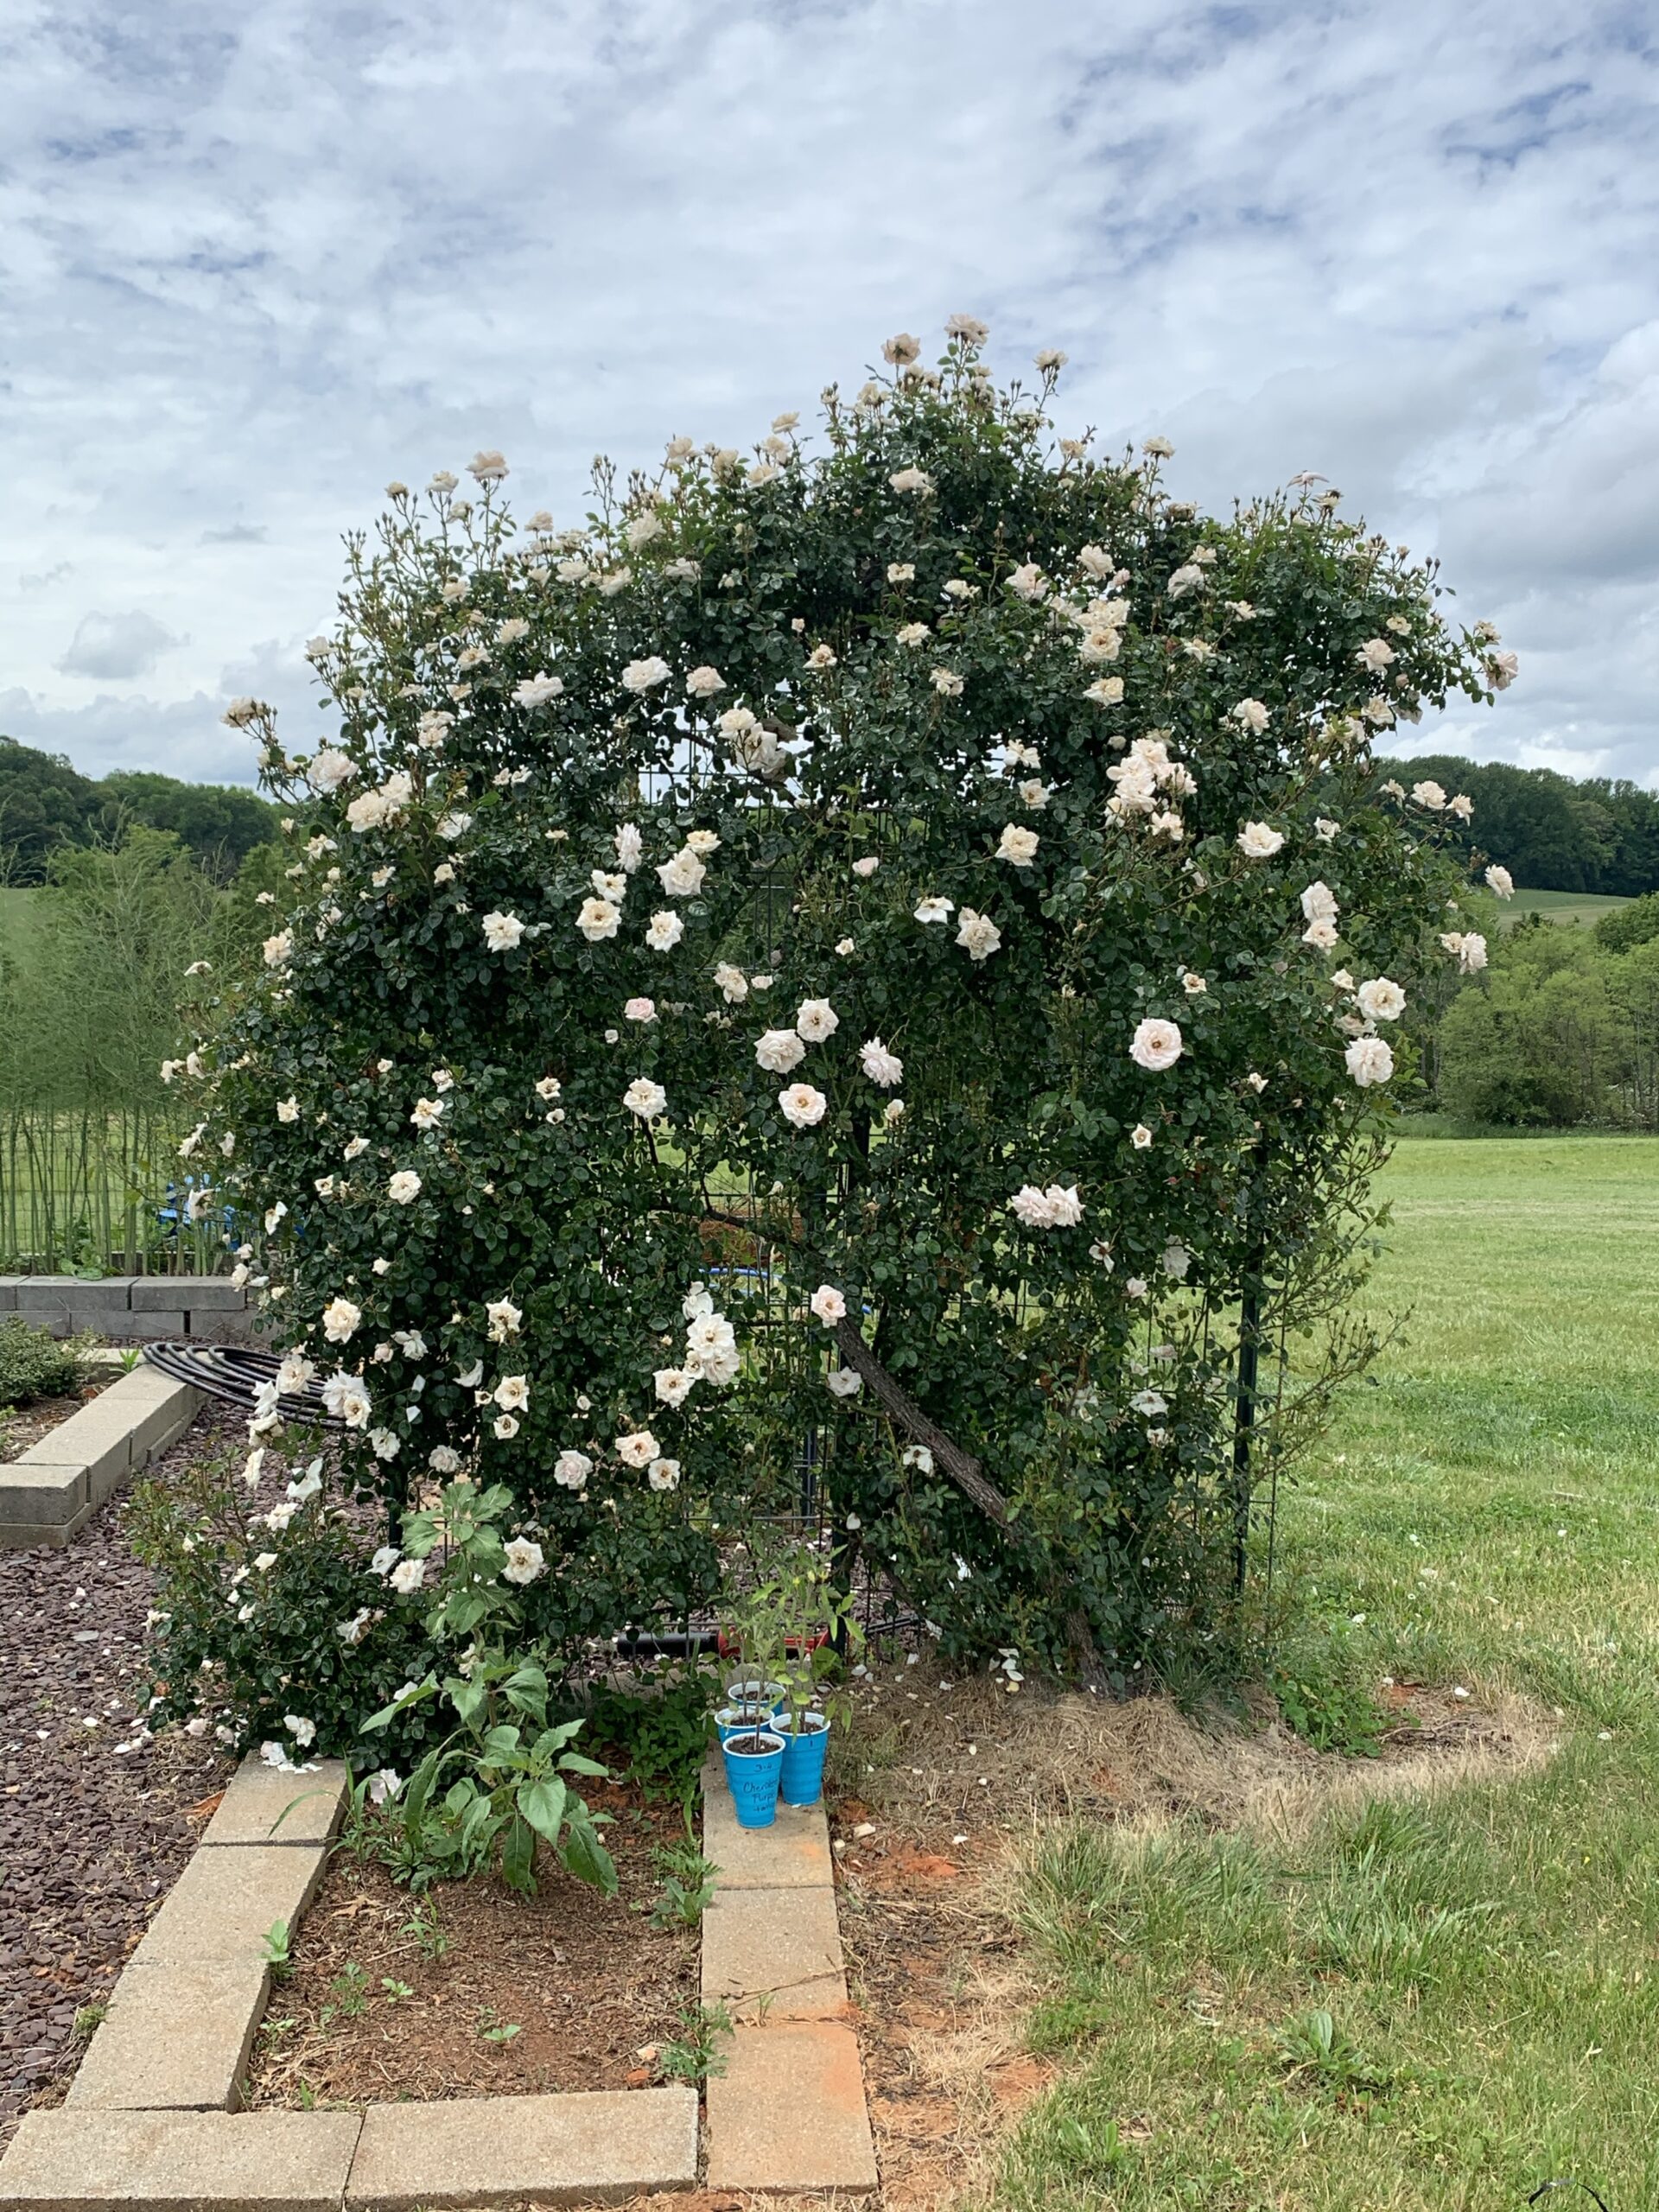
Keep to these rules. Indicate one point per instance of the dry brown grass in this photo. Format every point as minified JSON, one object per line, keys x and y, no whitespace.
{"x":928,"y":1898}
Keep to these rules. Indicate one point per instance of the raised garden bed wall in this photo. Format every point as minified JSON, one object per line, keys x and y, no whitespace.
{"x":49,"y":1491}
{"x":132,"y":1309}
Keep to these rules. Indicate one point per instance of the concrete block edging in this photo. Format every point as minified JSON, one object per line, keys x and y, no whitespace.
{"x":51,"y":1489}
{"x":152,"y":2122}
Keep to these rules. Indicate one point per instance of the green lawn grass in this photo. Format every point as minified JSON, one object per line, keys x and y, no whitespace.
{"x":1446,"y":2001}
{"x":1579,"y":908}
{"x":22,"y":912}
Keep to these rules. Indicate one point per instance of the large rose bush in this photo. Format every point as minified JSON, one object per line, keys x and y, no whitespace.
{"x":892,"y":943}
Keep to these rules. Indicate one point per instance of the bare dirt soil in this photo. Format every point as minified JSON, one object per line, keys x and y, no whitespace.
{"x":564,"y":1990}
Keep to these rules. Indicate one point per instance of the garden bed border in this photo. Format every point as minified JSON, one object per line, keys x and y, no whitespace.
{"x":48,"y":1491}
{"x":151,"y":2119}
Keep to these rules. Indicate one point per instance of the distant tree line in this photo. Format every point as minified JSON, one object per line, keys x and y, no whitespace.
{"x":1551,"y":832}
{"x":46,"y":805}
{"x":1560,"y":1030}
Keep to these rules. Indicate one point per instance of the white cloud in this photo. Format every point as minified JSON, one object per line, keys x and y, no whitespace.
{"x":261,"y":260}
{"x":115,"y":645}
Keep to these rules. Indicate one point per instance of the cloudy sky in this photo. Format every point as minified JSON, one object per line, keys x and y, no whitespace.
{"x":257,"y":260}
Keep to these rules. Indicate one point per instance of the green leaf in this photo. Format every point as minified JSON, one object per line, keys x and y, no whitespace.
{"x":518,"y":1855}
{"x":583,"y":1855}
{"x":542,"y":1803}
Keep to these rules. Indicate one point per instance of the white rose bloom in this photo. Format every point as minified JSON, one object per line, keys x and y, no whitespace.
{"x":674,"y":1385}
{"x":537,"y":690}
{"x":1318,"y":901}
{"x":502,"y":932}
{"x":644,"y":1098}
{"x":407,"y":1576}
{"x":911,"y":480}
{"x":513,"y":1393}
{"x":701,"y":843}
{"x":1381,"y":1000}
{"x":1257,"y":841}
{"x":1251,"y":714}
{"x":682,"y":877}
{"x":1320,"y":931}
{"x":526,"y":1560}
{"x":778,"y":1051}
{"x":329,"y":769}
{"x":733,"y":985}
{"x":610,"y":885}
{"x":549,"y":1088}
{"x":504,"y":1318}
{"x":711,"y":1349}
{"x":278,"y":949}
{"x":1471,"y":949}
{"x":340,"y":1319}
{"x":1375,"y":655}
{"x":630,"y":847}
{"x":664,"y":931}
{"x":802,"y":1106}
{"x":404,"y":1187}
{"x":428,"y":1113}
{"x":816,"y":1021}
{"x":1018,"y":847}
{"x":844,"y":1381}
{"x":1502,"y":881}
{"x":935,"y":910}
{"x":1106,"y":691}
{"x":822,"y":657}
{"x":639,"y":1010}
{"x":1156,"y":1045}
{"x":1324,"y":828}
{"x":288,"y":1109}
{"x":1368,"y":1061}
{"x":664,"y":1474}
{"x":1033,"y":795}
{"x":1029,"y":581}
{"x":597,"y":920}
{"x":572,"y":1469}
{"x":867,"y":866}
{"x":977,"y":934}
{"x":946,"y":683}
{"x":912,"y":634}
{"x":645,"y":674}
{"x":883,"y":1068}
{"x":637,"y":1449}
{"x":704,"y":682}
{"x":1431,"y":795}
{"x":827,"y":1304}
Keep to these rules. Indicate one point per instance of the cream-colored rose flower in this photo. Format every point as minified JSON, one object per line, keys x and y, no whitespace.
{"x":1156,"y":1045}
{"x":802,"y":1106}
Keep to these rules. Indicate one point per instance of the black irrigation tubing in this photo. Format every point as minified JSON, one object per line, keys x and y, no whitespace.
{"x":1544,"y":2189}
{"x":237,"y":1373}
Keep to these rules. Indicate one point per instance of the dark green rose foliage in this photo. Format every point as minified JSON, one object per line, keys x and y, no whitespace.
{"x":884,"y":622}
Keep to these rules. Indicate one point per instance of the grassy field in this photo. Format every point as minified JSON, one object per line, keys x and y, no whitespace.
{"x":21,"y":912}
{"x":1442,"y":2001}
{"x":1579,"y":908}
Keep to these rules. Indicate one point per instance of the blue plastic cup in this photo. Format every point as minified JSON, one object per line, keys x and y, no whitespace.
{"x":751,"y":1695}
{"x":753,"y":1777}
{"x":731,"y":1720}
{"x":803,"y":1757}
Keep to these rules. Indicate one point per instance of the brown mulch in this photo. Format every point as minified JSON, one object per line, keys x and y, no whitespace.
{"x":593,"y":1991}
{"x":95,"y":1824}
{"x":29,"y":1423}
